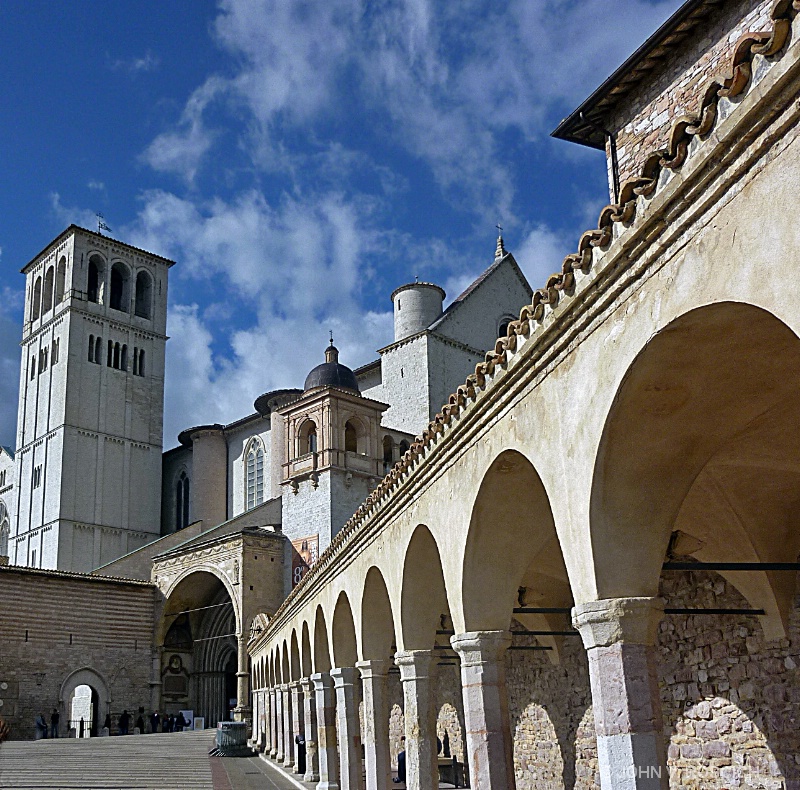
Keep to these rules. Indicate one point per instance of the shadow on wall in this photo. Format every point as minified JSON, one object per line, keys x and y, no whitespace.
{"x":551,"y":721}
{"x":731,"y":698}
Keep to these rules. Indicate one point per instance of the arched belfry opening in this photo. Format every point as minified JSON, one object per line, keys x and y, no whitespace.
{"x":199,"y":649}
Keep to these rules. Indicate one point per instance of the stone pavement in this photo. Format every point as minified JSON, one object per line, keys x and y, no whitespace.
{"x":164,"y":761}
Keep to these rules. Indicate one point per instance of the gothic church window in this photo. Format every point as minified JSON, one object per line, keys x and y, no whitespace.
{"x":141,"y":362}
{"x":110,"y":355}
{"x":254,"y":484}
{"x":98,"y":350}
{"x":61,"y":276}
{"x":182,"y":502}
{"x":37,"y":298}
{"x":119,"y":288}
{"x":47,"y":300}
{"x":144,"y":294}
{"x":54,"y":356}
{"x":33,"y":366}
{"x":91,"y":348}
{"x":124,"y":359}
{"x":93,"y":287}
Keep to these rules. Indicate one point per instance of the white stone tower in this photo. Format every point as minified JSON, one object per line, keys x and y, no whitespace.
{"x":91,"y":404}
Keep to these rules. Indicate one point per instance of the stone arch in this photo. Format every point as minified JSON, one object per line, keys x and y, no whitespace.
{"x":377,"y":620}
{"x":355,"y":435}
{"x":143,"y":298}
{"x":423,"y":597}
{"x":209,"y":570}
{"x":513,"y":550}
{"x":306,"y":657}
{"x":85,"y":676}
{"x":307,"y":438}
{"x":322,"y":651}
{"x":295,"y":653}
{"x":119,"y":292}
{"x":95,"y":280}
{"x":697,"y":442}
{"x":61,"y":279}
{"x":343,"y":633}
{"x":49,"y":289}
{"x":36,"y":307}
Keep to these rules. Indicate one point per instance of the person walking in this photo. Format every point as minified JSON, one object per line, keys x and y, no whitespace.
{"x":140,"y":723}
{"x":41,"y":727}
{"x":54,"y":719}
{"x":81,"y":728}
{"x":124,"y":722}
{"x":180,"y":722}
{"x":154,"y":721}
{"x":107,"y":723}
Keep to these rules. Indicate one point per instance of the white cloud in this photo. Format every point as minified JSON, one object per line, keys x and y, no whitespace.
{"x":133,"y":66}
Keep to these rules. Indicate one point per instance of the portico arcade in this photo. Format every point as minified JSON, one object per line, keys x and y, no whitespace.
{"x":603,"y":475}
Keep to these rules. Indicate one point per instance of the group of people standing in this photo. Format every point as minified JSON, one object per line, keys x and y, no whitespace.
{"x":158,"y":723}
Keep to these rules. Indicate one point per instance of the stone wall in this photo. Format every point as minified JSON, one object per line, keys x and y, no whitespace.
{"x":643,"y":120}
{"x":56,"y":625}
{"x":731,"y":698}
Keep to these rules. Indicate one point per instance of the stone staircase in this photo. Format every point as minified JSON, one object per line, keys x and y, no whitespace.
{"x":163,"y":761}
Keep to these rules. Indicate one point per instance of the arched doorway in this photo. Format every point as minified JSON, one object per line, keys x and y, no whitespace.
{"x":199,"y":649}
{"x":84,"y":694}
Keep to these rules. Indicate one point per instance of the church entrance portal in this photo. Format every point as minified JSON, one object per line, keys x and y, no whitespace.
{"x":199,"y":655}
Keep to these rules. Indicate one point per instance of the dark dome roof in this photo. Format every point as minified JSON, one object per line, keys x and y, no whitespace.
{"x":331,"y":373}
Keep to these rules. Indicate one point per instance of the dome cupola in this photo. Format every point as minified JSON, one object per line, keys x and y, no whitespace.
{"x":331,"y":373}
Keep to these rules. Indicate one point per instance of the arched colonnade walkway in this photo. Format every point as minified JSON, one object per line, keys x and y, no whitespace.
{"x":647,"y":419}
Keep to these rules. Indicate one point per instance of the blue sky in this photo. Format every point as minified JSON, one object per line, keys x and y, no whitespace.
{"x":299,"y":159}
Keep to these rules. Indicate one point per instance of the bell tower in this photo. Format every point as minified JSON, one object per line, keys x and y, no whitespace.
{"x":91,"y":403}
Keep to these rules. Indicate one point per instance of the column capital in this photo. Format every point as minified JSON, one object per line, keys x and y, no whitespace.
{"x":373,"y":668}
{"x":480,"y":647}
{"x":344,"y":676}
{"x":322,"y":680}
{"x":611,"y":620}
{"x":307,"y":684}
{"x":295,"y":684}
{"x":414,"y":664}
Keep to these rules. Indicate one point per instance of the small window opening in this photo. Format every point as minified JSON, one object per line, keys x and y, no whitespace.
{"x":37,"y":298}
{"x":350,"y":438}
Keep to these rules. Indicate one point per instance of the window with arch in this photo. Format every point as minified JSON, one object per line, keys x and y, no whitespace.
{"x":350,"y":437}
{"x":502,"y":327}
{"x":141,"y":362}
{"x":91,"y":348}
{"x":254,"y":474}
{"x":119,"y":297}
{"x":37,"y":299}
{"x":61,"y":278}
{"x":54,"y":354}
{"x":95,"y":279}
{"x":98,"y":350}
{"x":388,"y":448}
{"x":124,"y":359}
{"x":49,"y":285}
{"x":144,"y":294}
{"x":308,"y":437}
{"x":182,"y":502}
{"x":404,"y":447}
{"x":5,"y":529}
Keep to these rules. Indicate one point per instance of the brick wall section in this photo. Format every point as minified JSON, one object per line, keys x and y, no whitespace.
{"x":111,"y":624}
{"x":643,"y":120}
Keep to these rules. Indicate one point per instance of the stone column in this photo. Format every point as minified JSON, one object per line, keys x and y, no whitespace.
{"x":297,"y":718}
{"x":376,"y":724}
{"x":487,"y":724}
{"x":421,"y":755}
{"x":326,"y":732}
{"x":273,"y":722}
{"x":619,"y":635}
{"x":279,"y":752}
{"x":310,"y":731}
{"x":242,"y":682}
{"x":155,"y":680}
{"x":288,"y":738}
{"x":345,"y":680}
